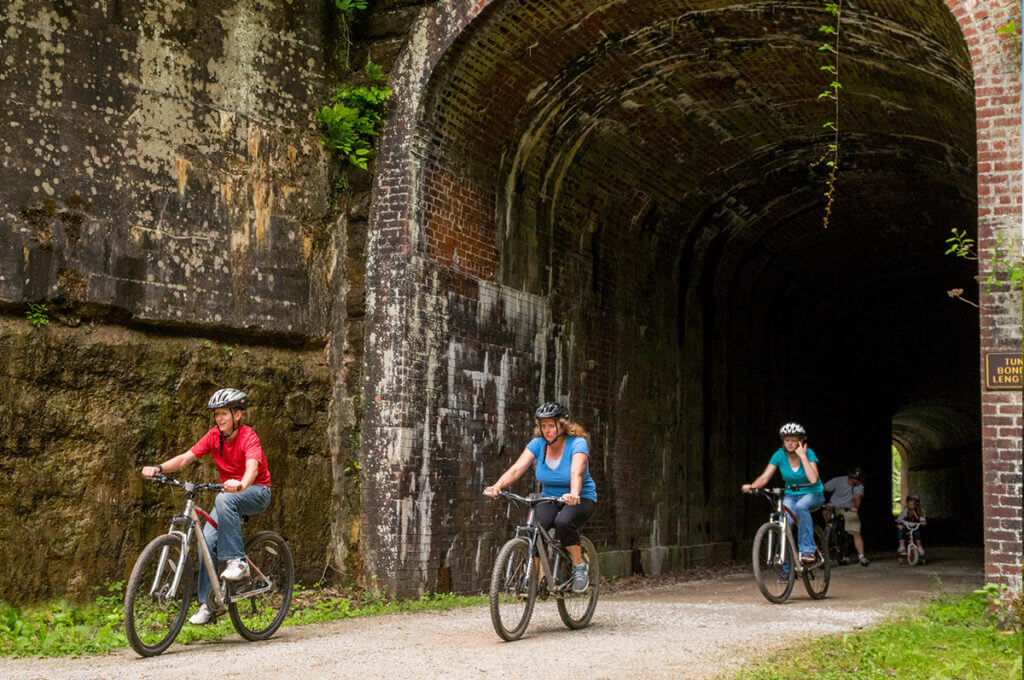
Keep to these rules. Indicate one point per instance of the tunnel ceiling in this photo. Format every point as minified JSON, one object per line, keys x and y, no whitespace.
{"x":680,"y":116}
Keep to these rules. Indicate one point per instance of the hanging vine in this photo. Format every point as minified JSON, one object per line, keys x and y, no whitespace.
{"x":830,"y":49}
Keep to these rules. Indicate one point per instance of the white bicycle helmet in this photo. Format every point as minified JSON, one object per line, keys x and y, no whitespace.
{"x":791,"y":429}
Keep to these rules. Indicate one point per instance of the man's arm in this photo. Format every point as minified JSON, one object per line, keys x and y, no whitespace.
{"x":252,"y":467}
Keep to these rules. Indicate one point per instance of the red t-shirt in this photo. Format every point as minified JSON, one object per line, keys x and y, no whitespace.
{"x":231,"y":465}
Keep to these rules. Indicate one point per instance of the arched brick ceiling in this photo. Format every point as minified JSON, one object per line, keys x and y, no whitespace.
{"x":696,"y":110}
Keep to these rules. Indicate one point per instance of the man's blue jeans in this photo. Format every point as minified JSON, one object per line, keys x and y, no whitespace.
{"x":802,"y":506}
{"x":225,"y":542}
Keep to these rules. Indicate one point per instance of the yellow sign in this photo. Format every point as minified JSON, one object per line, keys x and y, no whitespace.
{"x":1003,"y":370}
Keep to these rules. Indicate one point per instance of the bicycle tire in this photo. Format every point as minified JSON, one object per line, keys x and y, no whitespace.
{"x":258,"y":617}
{"x":576,"y":609}
{"x":819,"y":575}
{"x":835,"y":549}
{"x":512,"y":594}
{"x":913,"y":554}
{"x":769,"y":563}
{"x":153,"y":621}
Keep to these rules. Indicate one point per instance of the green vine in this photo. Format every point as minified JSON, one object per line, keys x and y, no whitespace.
{"x":353,"y":118}
{"x":831,"y":95}
{"x":1005,"y":270}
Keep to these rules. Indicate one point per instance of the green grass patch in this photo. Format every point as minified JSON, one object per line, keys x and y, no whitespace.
{"x":949,"y":637}
{"x":63,"y":629}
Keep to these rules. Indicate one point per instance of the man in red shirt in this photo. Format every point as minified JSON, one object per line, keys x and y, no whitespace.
{"x":236,"y":452}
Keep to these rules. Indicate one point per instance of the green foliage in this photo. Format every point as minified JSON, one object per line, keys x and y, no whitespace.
{"x":897,"y":465}
{"x":1004,"y":606}
{"x":1011,"y":30}
{"x":1007,"y":269}
{"x":353,"y":118}
{"x":951,"y":637}
{"x":38,"y":315}
{"x":62,"y":629}
{"x":349,"y":7}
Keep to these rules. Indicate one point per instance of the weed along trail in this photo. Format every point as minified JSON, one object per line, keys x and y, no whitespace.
{"x":697,"y":629}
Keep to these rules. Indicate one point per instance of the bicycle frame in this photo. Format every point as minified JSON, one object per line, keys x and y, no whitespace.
{"x":781,"y":516}
{"x":192,"y":530}
{"x":538,"y":540}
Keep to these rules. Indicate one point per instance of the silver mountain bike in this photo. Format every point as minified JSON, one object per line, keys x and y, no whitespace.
{"x":162,"y":584}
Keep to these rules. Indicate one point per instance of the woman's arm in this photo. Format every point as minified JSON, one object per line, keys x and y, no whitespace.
{"x":252,"y":467}
{"x":579,"y":465}
{"x":512,"y":474}
{"x":810,"y":468}
{"x":765,"y":477}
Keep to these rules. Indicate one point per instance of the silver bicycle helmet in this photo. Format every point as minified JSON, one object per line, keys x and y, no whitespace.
{"x":791,"y":429}
{"x":228,"y":397}
{"x":551,"y":409}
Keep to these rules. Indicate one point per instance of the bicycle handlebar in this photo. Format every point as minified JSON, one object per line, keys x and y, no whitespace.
{"x":775,"y":491}
{"x":161,"y":478}
{"x":508,"y":495}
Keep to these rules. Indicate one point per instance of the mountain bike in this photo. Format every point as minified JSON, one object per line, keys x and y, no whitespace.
{"x":518,"y":579}
{"x":775,"y":553}
{"x":840,"y":543}
{"x":914,"y":554}
{"x":162,"y":584}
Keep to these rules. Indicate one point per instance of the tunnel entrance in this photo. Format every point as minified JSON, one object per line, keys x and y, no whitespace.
{"x":612,"y":204}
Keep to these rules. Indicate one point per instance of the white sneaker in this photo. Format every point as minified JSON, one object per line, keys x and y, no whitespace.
{"x":236,"y":570}
{"x":202,"y":616}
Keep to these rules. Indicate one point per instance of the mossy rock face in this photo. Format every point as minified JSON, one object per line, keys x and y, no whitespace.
{"x":81,"y":410}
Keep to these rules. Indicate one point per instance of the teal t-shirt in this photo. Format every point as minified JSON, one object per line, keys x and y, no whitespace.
{"x":799,"y":476}
{"x":556,"y":482}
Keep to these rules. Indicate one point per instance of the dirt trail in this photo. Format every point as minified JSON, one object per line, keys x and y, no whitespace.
{"x":687,"y":630}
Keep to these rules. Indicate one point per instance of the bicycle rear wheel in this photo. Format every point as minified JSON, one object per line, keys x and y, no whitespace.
{"x":153,"y":615}
{"x":773,"y":566}
{"x":818,"y":576}
{"x":513,"y":590}
{"x":576,"y":609}
{"x":271,"y":575}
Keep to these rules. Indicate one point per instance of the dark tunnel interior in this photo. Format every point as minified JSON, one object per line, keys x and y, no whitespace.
{"x":650,"y":164}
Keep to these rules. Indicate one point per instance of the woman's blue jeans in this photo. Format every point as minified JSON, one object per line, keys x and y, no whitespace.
{"x":802,"y":506}
{"x":225,"y":542}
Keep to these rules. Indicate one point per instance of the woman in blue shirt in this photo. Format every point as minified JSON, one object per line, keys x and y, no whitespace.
{"x":560,"y":449}
{"x":798,"y":465}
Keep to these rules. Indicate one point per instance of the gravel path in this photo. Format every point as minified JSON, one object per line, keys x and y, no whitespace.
{"x":684,"y":630}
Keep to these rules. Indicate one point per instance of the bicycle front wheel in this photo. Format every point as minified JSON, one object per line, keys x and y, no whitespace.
{"x":576,"y":609}
{"x":258,"y":615}
{"x":913,"y":554}
{"x":773,"y":561}
{"x":817,"y":576}
{"x":513,"y":590}
{"x":153,"y":614}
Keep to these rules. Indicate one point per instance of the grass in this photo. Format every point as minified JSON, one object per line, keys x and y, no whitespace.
{"x":951,"y":637}
{"x":64,"y":629}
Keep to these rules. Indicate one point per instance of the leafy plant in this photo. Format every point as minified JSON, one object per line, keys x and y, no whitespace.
{"x":352,"y":119}
{"x":38,"y":315}
{"x":831,"y":94}
{"x":1006,"y":270}
{"x":349,"y":7}
{"x":1004,"y":605}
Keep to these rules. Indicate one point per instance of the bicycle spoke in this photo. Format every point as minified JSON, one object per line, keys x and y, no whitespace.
{"x":153,"y":614}
{"x":513,"y":590}
{"x":258,"y":615}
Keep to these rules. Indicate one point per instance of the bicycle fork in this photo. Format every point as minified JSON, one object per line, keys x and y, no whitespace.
{"x":191,"y":518}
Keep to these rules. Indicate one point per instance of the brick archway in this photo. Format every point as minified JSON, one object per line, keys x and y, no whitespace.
{"x":467,"y":317}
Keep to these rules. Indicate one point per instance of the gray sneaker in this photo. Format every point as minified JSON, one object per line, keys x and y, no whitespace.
{"x":202,"y":616}
{"x":580,"y":578}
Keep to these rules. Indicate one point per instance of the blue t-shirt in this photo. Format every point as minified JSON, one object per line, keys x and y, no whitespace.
{"x":799,"y":476}
{"x":556,"y":482}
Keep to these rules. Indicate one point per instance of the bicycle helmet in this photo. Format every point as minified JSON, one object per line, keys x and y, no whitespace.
{"x":551,"y":409}
{"x":228,"y":398}
{"x":790,"y":429}
{"x":913,"y":496}
{"x":855,"y":473}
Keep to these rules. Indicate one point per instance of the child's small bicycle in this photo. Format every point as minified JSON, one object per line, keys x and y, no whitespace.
{"x":162,"y":584}
{"x":914,"y":554}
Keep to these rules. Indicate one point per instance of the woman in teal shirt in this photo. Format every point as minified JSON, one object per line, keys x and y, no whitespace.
{"x":798,"y":465}
{"x":561,"y":451}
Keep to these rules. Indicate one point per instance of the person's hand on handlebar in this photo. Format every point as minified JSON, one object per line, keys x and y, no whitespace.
{"x":747,"y":488}
{"x":150,"y":471}
{"x":233,"y":486}
{"x":570,"y":498}
{"x":492,"y":491}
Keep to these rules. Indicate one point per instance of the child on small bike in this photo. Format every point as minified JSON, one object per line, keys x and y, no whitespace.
{"x":912,"y":512}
